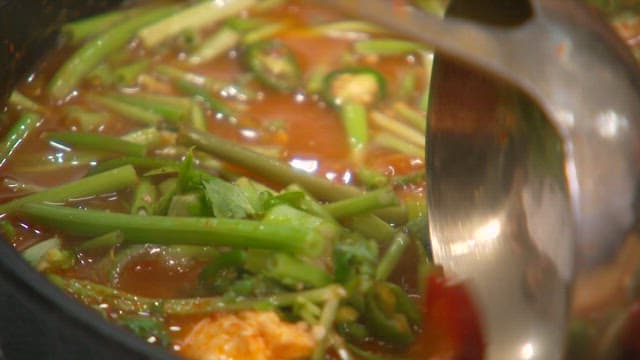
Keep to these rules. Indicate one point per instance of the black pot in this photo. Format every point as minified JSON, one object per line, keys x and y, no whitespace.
{"x":37,"y":320}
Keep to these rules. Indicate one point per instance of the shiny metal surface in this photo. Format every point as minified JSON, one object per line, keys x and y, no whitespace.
{"x":521,"y":198}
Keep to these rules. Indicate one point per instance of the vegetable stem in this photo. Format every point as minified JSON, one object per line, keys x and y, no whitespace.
{"x":172,"y":108}
{"x":265,"y":166}
{"x":167,"y":230}
{"x":327,"y":319}
{"x":144,"y":163}
{"x":130,"y":112}
{"x":416,"y":118}
{"x":362,"y":204}
{"x":287,"y":269}
{"x":97,"y":142}
{"x":17,"y":134}
{"x":144,"y":197}
{"x":178,"y":74}
{"x":221,"y":41}
{"x":392,"y":256}
{"x":348,"y":27}
{"x":107,"y":240}
{"x":399,"y":129}
{"x":79,"y":30}
{"x":354,"y":118}
{"x":191,"y":89}
{"x":108,"y":181}
{"x":194,"y":17}
{"x":93,"y":52}
{"x":22,"y":102}
{"x":397,"y":143}
{"x":386,"y":47}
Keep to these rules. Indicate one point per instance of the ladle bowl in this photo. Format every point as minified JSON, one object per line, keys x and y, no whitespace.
{"x":532,"y":164}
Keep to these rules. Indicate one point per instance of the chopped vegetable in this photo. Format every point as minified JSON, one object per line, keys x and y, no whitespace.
{"x":274,"y":64}
{"x":196,"y":16}
{"x":17,"y":134}
{"x":361,"y":85}
{"x":94,"y":51}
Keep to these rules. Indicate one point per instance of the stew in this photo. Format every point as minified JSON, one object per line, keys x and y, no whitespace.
{"x":244,"y":179}
{"x":231,"y":179}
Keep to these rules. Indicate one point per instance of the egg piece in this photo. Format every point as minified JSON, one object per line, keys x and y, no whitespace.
{"x":248,"y":335}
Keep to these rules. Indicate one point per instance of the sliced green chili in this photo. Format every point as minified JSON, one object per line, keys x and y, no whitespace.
{"x":274,"y":64}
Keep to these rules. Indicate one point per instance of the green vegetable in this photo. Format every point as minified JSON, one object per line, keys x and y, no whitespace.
{"x":93,"y":52}
{"x":179,"y":75}
{"x":264,"y":32}
{"x":226,"y":200}
{"x":7,"y":230}
{"x":191,"y":89}
{"x":82,"y":29}
{"x":264,"y":166}
{"x":128,"y":111}
{"x":286,"y":269}
{"x":274,"y":64}
{"x":24,"y":103}
{"x":362,"y":204}
{"x":285,"y":214}
{"x":103,"y":241}
{"x":349,"y":27}
{"x":150,"y":137}
{"x":392,"y":256}
{"x":128,"y":74}
{"x":436,"y":7}
{"x":34,"y":254}
{"x":392,"y":141}
{"x":387,"y":47}
{"x":371,"y":178}
{"x":327,"y":319}
{"x":143,"y":163}
{"x":391,"y":315}
{"x":97,"y":142}
{"x":17,"y":134}
{"x":172,"y":108}
{"x":396,"y":128}
{"x":88,"y":121}
{"x":144,"y":196}
{"x":416,"y":118}
{"x":194,"y":17}
{"x":221,"y":41}
{"x":165,"y":230}
{"x":218,"y":274}
{"x":354,"y":119}
{"x":191,"y":204}
{"x":106,"y":182}
{"x":371,"y":226}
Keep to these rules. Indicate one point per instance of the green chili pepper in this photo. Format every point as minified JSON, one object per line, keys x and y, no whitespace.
{"x":274,"y":64}
{"x":391,"y":315}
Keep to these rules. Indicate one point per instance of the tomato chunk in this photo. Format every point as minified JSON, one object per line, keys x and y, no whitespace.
{"x":451,"y":324}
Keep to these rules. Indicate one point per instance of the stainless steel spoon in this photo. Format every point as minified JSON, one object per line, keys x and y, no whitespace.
{"x":517,"y":196}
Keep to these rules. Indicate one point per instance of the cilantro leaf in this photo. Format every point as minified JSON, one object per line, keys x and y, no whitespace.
{"x":226,"y":199}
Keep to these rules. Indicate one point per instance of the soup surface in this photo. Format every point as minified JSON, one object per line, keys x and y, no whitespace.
{"x":244,"y":179}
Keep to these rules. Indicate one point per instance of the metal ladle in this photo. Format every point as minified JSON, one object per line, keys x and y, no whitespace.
{"x":523,"y":191}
